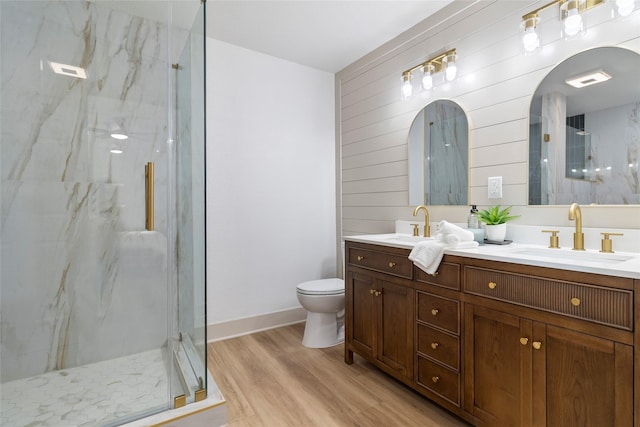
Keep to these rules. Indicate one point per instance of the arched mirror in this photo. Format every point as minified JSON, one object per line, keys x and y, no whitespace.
{"x":584,"y":131}
{"x":439,"y":155}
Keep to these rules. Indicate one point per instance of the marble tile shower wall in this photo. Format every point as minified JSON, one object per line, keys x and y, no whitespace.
{"x":79,"y":275}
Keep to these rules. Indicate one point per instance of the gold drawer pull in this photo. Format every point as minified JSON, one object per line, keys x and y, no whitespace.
{"x":360,"y":258}
{"x":372,"y":291}
{"x":434,"y":345}
{"x":537,"y":345}
{"x":492,"y":285}
{"x":436,"y":274}
{"x":435,"y":311}
{"x":524,"y":341}
{"x":435,"y":379}
{"x":392,"y":264}
{"x":378,"y":293}
{"x":575,"y":301}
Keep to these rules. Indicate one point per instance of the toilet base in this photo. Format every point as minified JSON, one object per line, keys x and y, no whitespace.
{"x":322,"y":330}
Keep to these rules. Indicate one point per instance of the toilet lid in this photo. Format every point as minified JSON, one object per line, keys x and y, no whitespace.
{"x":322,"y":287}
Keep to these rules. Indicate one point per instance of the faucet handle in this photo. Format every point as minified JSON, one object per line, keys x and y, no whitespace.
{"x":553,"y":239}
{"x":416,"y":231}
{"x":607,"y":245}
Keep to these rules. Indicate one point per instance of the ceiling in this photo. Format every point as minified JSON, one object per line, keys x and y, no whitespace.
{"x":323,"y":34}
{"x":326,"y":35}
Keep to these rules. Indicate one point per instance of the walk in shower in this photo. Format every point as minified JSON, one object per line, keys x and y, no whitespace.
{"x":102,"y":231}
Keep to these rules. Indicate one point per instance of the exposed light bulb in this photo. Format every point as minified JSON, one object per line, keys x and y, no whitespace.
{"x":407,"y":89}
{"x":530,"y":39}
{"x":625,"y":7}
{"x":573,"y":21}
{"x":427,"y":78}
{"x":451,"y":72}
{"x":452,"y":69}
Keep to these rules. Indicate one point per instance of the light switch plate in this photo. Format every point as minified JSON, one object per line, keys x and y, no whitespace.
{"x":495,"y":187}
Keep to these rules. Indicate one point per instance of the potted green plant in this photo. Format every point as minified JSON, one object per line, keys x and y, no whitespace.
{"x":495,"y":220}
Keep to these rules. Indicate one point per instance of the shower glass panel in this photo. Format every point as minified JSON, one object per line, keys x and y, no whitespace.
{"x":190,"y":211}
{"x":89,"y":291}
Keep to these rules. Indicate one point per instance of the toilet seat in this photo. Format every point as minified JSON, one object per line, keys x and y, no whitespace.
{"x":321,"y":287}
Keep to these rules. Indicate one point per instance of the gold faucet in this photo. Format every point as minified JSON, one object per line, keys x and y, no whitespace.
{"x":427,"y":228}
{"x":578,"y":236}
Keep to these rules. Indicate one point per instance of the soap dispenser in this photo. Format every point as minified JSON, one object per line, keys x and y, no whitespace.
{"x":472,"y":219}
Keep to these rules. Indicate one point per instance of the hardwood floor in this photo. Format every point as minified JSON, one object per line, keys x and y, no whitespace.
{"x":270,"y":379}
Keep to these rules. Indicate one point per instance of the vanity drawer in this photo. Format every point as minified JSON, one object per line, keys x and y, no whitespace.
{"x":438,"y":311}
{"x":397,"y":265}
{"x":438,"y":345}
{"x":439,"y":379}
{"x":607,"y":306}
{"x":447,"y":275}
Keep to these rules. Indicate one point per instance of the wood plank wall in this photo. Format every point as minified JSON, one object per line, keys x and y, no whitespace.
{"x":495,"y":83}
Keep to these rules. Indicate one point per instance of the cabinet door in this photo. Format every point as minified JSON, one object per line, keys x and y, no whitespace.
{"x":395,"y":328}
{"x":497,"y":367}
{"x":589,"y":380}
{"x":361,"y":327}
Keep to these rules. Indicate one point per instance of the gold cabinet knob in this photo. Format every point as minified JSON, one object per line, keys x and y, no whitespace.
{"x":434,"y":345}
{"x":524,"y":341}
{"x":435,"y":379}
{"x":378,"y":293}
{"x":537,"y":345}
{"x":575,"y":301}
{"x":435,"y":274}
{"x":435,"y":311}
{"x":372,"y":291}
{"x":392,"y":264}
{"x":359,"y":257}
{"x":492,"y":285}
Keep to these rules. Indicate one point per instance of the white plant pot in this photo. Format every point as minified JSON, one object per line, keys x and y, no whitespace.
{"x":496,"y":233}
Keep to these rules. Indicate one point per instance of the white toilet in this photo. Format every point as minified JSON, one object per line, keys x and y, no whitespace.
{"x":324,"y":302}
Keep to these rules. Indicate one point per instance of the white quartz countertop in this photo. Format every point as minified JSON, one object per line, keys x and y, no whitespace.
{"x":620,"y":264}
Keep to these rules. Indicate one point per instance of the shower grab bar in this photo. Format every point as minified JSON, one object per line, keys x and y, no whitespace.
{"x":148,"y":195}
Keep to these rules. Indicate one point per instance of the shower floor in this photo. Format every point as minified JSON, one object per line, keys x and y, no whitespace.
{"x":90,"y":395}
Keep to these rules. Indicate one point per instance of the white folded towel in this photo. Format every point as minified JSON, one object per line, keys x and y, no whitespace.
{"x":447,"y":228}
{"x":427,"y":255}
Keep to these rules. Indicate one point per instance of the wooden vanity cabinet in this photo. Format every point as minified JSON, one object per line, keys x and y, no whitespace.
{"x":547,"y":352}
{"x":379,"y":308}
{"x":497,"y":343}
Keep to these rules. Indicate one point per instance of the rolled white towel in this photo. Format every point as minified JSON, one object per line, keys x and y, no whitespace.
{"x":451,"y":229}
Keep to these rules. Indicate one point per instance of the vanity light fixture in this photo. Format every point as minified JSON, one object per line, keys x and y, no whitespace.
{"x":570,"y":12}
{"x":444,"y":63}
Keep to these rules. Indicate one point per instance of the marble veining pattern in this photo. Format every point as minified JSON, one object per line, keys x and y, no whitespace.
{"x":91,"y":395}
{"x":79,"y":273}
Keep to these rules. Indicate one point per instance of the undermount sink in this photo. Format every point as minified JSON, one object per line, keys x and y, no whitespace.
{"x":408,"y":238}
{"x":570,"y":255}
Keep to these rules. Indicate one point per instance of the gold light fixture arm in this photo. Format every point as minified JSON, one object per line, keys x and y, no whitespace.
{"x":437,"y":62}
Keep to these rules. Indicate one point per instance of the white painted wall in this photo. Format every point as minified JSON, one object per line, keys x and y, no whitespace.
{"x":270,"y":181}
{"x":496,"y":81}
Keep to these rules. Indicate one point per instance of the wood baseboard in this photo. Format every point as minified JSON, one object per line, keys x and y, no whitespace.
{"x":248,"y":325}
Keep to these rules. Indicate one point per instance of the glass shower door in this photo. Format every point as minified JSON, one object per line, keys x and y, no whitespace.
{"x":85,"y":287}
{"x":189,"y":152}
